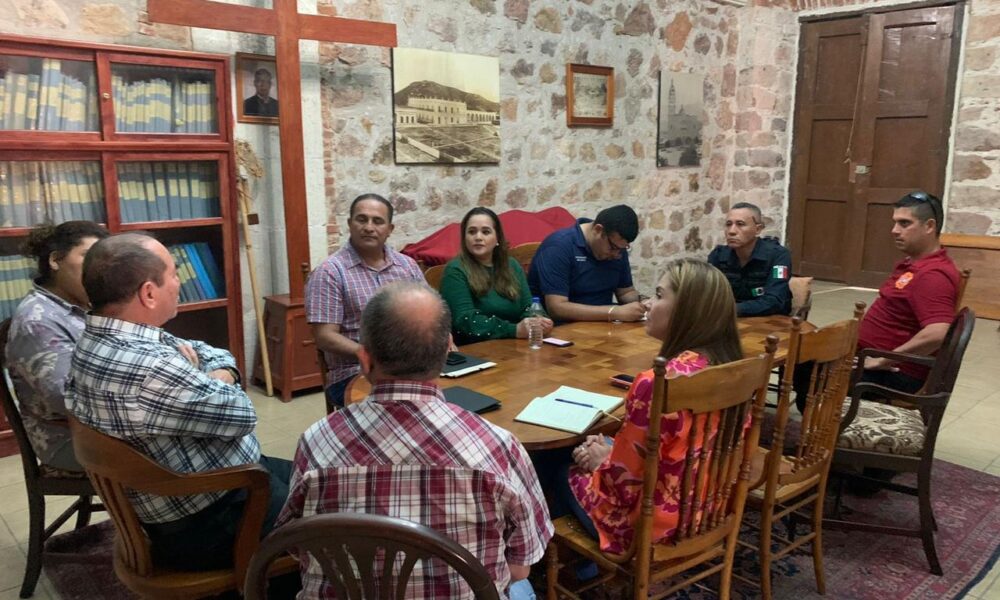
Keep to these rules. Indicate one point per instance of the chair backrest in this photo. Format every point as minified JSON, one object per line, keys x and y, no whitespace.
{"x":828,"y":354}
{"x":350,"y":546}
{"x":433,"y":276}
{"x":114,"y":468}
{"x":963,"y":282}
{"x":523,"y":254}
{"x":28,"y":457}
{"x":713,"y":484}
{"x":944,"y":372}
{"x":357,"y":390}
{"x":801,"y":288}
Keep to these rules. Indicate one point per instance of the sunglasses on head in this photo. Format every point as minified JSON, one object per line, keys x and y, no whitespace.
{"x":920,"y":196}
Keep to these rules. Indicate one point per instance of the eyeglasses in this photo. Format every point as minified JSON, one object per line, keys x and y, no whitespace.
{"x":616,"y":248}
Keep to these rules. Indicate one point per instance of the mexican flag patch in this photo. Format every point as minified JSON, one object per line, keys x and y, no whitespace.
{"x":780,"y":272}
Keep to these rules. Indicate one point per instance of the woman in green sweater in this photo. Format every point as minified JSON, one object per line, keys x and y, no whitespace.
{"x":485,"y":289}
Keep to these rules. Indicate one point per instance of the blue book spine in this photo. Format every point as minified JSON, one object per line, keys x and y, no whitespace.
{"x":201,"y":275}
{"x":196,"y":280}
{"x":211,"y":268}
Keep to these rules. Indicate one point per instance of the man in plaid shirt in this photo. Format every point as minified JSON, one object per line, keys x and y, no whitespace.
{"x":405,"y":452}
{"x":176,"y":401}
{"x":340,"y":288}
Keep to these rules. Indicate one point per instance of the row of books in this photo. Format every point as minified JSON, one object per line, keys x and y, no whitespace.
{"x":161,"y":106}
{"x":50,"y":101}
{"x":168,"y":190}
{"x":34,"y":192}
{"x":16,"y":273}
{"x":200,"y":276}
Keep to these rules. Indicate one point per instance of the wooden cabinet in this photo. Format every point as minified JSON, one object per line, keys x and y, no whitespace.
{"x":291,"y":347}
{"x":137,"y":139}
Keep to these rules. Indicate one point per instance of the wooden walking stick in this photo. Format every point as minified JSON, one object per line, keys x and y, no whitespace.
{"x":248,"y":163}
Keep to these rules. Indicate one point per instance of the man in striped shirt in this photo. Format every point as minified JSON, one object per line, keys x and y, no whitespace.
{"x":178,"y":402}
{"x":339,"y":289}
{"x":405,"y":452}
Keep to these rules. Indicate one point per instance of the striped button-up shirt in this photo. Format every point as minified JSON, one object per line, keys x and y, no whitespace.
{"x":131,"y":382}
{"x":405,"y":452}
{"x":339,"y":290}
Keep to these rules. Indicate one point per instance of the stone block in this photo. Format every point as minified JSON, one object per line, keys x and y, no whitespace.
{"x":587,"y":153}
{"x":40,"y":14}
{"x":106,"y":19}
{"x":508,"y":109}
{"x":983,"y":28}
{"x":986,"y":87}
{"x":487,"y":7}
{"x":981,"y":58}
{"x":676,"y":33}
{"x":702,"y":43}
{"x":594,"y":193}
{"x":969,"y":167}
{"x":614,"y":151}
{"x":516,"y":10}
{"x":547,"y":74}
{"x":639,"y":21}
{"x":970,"y":223}
{"x":522,"y":69}
{"x":517,"y":198}
{"x":976,"y":139}
{"x":548,"y":19}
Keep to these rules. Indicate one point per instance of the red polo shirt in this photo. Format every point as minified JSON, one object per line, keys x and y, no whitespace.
{"x":917,"y":294}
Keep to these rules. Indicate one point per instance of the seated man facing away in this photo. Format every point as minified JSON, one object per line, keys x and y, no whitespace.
{"x":916,"y":305}
{"x":758,"y":268}
{"x":580,"y":270}
{"x":176,"y":401}
{"x":427,"y":461}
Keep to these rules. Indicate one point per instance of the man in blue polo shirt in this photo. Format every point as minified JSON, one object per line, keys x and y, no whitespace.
{"x":579,"y":271}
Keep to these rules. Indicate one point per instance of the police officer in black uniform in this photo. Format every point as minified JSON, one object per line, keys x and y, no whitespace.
{"x":758,"y":268}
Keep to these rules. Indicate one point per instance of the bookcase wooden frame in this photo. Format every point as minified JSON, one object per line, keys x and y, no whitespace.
{"x":110,"y":147}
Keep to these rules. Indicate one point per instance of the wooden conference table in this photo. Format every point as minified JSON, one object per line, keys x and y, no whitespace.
{"x":599,"y":351}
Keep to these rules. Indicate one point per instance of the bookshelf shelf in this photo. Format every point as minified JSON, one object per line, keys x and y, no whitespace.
{"x":134,"y":138}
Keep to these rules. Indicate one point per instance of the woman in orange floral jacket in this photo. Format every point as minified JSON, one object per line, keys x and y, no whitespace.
{"x":695,"y":315}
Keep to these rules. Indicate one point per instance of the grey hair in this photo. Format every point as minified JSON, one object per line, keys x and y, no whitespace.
{"x":400,"y":345}
{"x":757,"y":216}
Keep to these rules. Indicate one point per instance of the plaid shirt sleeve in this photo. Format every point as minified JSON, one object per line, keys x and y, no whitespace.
{"x":528,"y":517}
{"x":324,"y":295}
{"x":181,"y":400}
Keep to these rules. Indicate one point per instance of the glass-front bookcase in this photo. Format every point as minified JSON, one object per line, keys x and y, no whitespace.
{"x":135,"y":139}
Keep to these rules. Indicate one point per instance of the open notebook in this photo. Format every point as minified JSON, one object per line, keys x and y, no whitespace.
{"x":569,"y":409}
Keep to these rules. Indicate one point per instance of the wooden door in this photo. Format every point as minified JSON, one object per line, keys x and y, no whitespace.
{"x":872,"y":123}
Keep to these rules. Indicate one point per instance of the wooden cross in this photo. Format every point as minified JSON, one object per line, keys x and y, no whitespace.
{"x":288,"y":26}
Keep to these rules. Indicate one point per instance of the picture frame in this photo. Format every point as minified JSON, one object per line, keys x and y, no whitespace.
{"x":446,"y":107}
{"x":250,"y":107}
{"x":680,"y":119}
{"x":590,"y":96}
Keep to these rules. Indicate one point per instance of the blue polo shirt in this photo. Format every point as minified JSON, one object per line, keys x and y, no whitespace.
{"x":564,"y":266}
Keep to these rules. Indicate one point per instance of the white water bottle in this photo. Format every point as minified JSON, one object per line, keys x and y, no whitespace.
{"x":535,"y":313}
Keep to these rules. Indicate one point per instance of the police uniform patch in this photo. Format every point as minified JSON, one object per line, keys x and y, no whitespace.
{"x":904,"y":280}
{"x":758,"y":291}
{"x":780,"y":272}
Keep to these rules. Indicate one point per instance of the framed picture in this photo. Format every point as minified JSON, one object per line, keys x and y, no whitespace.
{"x":590,"y":96}
{"x":257,"y":89}
{"x":446,"y":107}
{"x":678,"y":136}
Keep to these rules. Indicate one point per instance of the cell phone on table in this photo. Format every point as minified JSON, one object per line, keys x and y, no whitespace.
{"x":557,"y":342}
{"x":622,"y":380}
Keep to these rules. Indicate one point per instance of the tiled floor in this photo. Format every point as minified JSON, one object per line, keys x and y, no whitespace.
{"x":969,"y":437}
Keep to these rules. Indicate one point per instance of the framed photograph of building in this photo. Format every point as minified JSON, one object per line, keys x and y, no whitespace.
{"x":678,"y":137}
{"x":590,"y":96}
{"x":257,"y":89}
{"x":446,"y":107}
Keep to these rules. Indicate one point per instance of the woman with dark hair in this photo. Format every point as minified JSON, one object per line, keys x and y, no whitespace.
{"x":43,"y":332}
{"x":694,"y":314}
{"x":485,"y":288}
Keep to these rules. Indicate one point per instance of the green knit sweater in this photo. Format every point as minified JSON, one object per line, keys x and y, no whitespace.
{"x":475,"y":319}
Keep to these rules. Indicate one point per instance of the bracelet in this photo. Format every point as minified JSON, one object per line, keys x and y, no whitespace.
{"x":610,"y":310}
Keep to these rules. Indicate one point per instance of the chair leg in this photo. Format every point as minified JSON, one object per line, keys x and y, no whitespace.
{"x":927,"y":522}
{"x":551,"y":572}
{"x":84,"y":511}
{"x":36,"y":534}
{"x":818,"y":538}
{"x":766,"y":523}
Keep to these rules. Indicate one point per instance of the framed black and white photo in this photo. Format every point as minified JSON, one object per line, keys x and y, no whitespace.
{"x":678,"y":137}
{"x":257,"y":89}
{"x":446,"y":107}
{"x":590,"y":96}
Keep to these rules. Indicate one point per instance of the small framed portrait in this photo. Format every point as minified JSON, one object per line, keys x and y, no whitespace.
{"x":257,"y":89}
{"x":590,"y":96}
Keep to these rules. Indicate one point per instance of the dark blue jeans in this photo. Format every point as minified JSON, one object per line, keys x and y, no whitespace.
{"x":204,"y":541}
{"x":335,"y":394}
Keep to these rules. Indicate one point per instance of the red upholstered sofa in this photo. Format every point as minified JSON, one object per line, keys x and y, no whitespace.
{"x":520,"y":227}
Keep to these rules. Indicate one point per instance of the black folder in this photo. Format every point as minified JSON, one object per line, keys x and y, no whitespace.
{"x":471,"y":400}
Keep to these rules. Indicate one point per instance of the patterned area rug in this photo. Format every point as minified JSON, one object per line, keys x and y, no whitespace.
{"x":859,"y":566}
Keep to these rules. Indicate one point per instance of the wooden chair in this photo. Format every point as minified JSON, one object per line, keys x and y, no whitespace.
{"x":898,"y":432}
{"x":350,"y":547}
{"x":357,"y":390}
{"x":716,"y":479}
{"x":523,"y":253}
{"x":963,"y":282}
{"x":433,"y":276}
{"x":115,"y":468}
{"x":39,"y":481}
{"x":801,"y":288}
{"x":783,"y":483}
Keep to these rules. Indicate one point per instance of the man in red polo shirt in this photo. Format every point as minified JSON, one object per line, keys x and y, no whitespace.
{"x":916,"y":304}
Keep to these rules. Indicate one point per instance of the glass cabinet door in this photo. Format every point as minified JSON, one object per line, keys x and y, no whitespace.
{"x":40,"y":191}
{"x":168,"y":191}
{"x":163,"y":100}
{"x":48,"y":94}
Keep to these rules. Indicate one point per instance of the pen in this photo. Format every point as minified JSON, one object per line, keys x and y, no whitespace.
{"x":573,"y":402}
